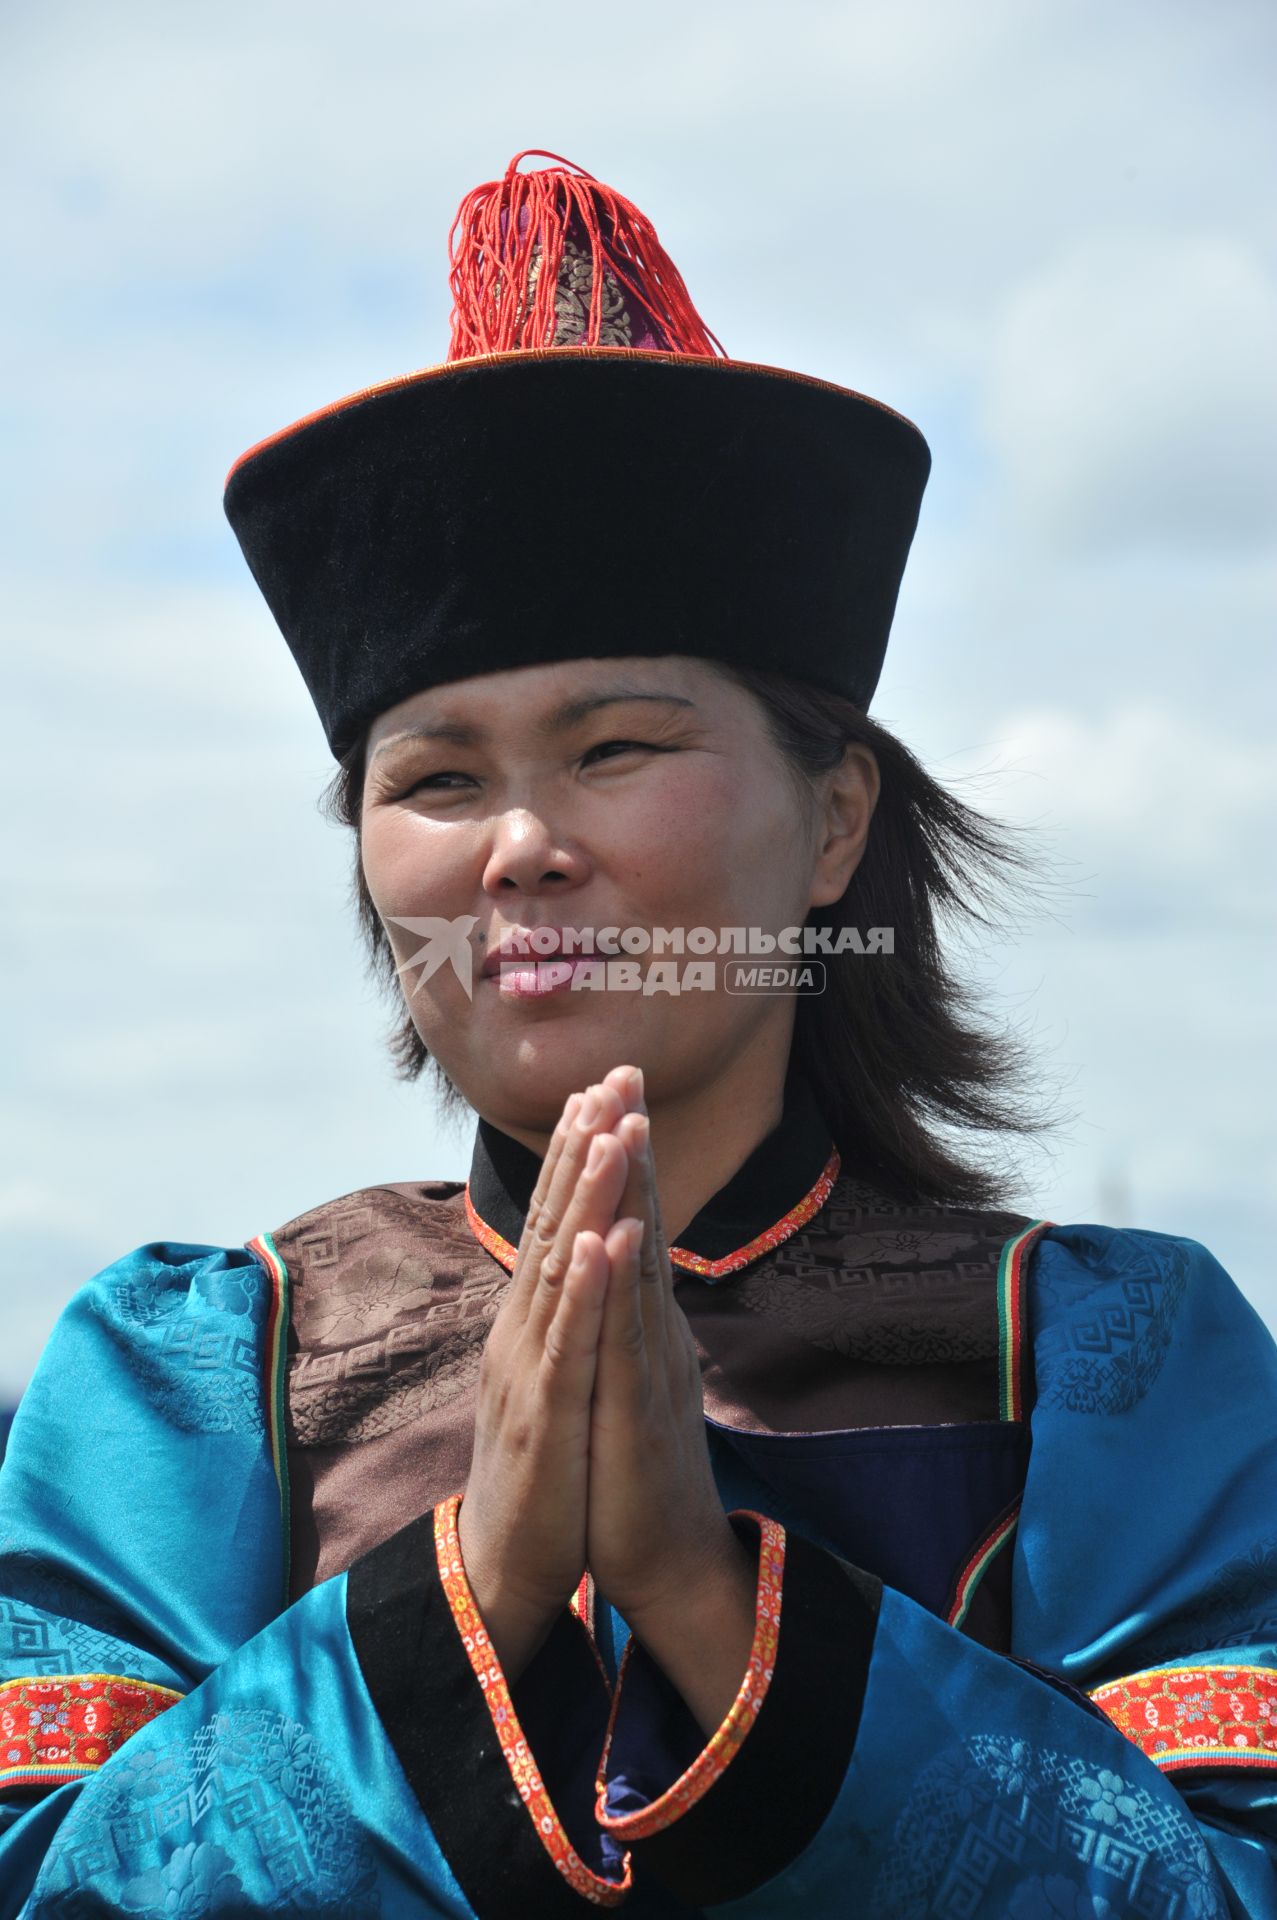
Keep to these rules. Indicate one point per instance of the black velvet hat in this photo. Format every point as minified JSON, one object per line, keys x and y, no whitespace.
{"x":587,"y":474}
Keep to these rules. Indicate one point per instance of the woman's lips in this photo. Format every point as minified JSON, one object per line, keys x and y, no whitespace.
{"x":534,"y":979}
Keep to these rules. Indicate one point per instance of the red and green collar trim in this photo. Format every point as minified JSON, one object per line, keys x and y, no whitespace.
{"x":780,"y":1187}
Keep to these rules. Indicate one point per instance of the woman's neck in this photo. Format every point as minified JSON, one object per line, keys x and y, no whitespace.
{"x":703,"y":1135}
{"x":698,"y":1143}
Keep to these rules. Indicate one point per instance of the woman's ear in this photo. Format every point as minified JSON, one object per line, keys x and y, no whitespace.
{"x":842,"y":823}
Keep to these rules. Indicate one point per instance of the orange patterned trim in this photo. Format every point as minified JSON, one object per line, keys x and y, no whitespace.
{"x":728,"y":1737}
{"x":56,"y":1729}
{"x":770,"y":1237}
{"x":583,"y":1604}
{"x":518,"y":1755}
{"x":783,"y":1229}
{"x":489,"y":1239}
{"x":552,"y":353}
{"x":1213,"y":1716}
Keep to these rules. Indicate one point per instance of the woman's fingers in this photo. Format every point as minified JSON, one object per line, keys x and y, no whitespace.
{"x":524,"y":1267}
{"x":566,"y":1199}
{"x":544,"y":1251}
{"x":628,"y":1082}
{"x":622,"y":1372}
{"x":595,"y":1165}
{"x":570,"y":1350}
{"x":641,"y":1200}
{"x":524,"y":1517}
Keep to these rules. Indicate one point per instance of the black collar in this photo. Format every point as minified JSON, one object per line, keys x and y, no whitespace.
{"x":784,"y":1181}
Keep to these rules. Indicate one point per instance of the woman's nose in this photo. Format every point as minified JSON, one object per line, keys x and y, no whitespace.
{"x":526,"y":853}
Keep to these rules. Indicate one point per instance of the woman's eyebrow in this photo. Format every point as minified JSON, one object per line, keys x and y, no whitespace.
{"x":575,"y":710}
{"x":568,"y":715}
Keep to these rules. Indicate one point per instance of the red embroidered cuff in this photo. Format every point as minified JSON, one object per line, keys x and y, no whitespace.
{"x":444,"y":1702}
{"x":1205,"y":1716}
{"x":55,"y":1728}
{"x":744,"y":1804}
{"x":726,"y":1740}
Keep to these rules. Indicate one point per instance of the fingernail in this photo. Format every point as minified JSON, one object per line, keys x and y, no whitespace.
{"x":589,"y":1107}
{"x":636,"y":1083}
{"x":594,"y":1160}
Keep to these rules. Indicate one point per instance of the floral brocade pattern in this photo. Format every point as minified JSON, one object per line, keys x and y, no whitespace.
{"x":1236,"y":1608}
{"x":56,"y":1728}
{"x":728,"y":1737}
{"x":193,"y":1343}
{"x":1106,"y":1338}
{"x":328,"y":1410}
{"x":518,"y":1755}
{"x":996,"y":1826}
{"x":241,"y":1813}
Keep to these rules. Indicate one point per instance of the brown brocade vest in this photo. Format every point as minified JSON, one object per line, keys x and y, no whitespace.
{"x":862,"y":1379}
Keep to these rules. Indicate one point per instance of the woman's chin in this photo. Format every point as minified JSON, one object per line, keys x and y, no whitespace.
{"x":540,"y":1065}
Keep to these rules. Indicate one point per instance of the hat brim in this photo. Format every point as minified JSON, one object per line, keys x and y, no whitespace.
{"x":513,"y":509}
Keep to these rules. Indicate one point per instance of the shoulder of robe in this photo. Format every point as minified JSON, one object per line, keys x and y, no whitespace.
{"x":1077,"y":1257}
{"x":388,"y":1198}
{"x":151,"y":1280}
{"x":1109,"y":1305}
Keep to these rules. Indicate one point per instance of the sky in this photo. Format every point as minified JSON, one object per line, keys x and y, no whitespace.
{"x":1045,"y":233}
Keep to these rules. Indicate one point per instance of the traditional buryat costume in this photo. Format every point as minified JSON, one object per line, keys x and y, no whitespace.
{"x":1012,"y":1485}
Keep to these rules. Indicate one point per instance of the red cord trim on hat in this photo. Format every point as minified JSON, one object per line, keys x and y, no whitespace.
{"x":509,"y":231}
{"x":520,"y":355}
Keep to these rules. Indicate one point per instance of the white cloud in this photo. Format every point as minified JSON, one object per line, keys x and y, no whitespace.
{"x":1133,"y":394}
{"x":1158,"y":800}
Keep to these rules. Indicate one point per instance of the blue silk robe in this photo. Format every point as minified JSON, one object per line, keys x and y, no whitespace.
{"x":177,"y":1737}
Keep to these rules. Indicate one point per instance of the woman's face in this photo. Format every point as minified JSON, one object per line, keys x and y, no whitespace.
{"x":588,"y":794}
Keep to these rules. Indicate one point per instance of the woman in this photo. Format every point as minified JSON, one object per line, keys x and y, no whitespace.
{"x":716,"y":1503}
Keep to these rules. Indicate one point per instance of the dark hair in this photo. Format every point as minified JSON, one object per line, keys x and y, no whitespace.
{"x":894,"y":1049}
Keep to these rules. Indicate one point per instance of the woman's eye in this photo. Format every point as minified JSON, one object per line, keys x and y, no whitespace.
{"x":621,"y":746}
{"x":432,"y":780}
{"x":452,"y":782}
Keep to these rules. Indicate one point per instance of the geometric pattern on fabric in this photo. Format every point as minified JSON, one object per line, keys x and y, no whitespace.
{"x":999,"y":1825}
{"x":1107,"y":1341}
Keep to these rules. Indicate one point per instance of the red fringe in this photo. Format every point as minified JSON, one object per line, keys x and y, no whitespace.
{"x":489,"y":269}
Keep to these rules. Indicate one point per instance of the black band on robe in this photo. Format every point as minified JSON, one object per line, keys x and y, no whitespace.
{"x":777,"y":1790}
{"x":421,"y":1680}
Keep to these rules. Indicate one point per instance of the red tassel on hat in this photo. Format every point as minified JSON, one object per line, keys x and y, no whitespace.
{"x":506,"y":252}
